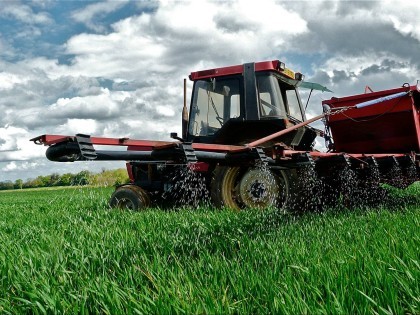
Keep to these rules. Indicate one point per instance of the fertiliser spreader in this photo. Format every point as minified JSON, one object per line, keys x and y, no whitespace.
{"x":246,"y":142}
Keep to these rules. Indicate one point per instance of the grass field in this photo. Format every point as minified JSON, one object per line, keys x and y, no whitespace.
{"x":64,"y":251}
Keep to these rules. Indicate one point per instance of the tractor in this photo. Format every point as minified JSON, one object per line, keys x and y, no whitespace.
{"x":246,"y":143}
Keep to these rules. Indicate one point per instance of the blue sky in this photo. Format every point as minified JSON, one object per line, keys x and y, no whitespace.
{"x":57,"y":22}
{"x":115,"y":68}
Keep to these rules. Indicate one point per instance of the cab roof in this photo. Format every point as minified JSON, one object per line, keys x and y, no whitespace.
{"x":273,"y":65}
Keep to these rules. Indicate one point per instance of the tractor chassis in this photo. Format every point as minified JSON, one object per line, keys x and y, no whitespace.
{"x":226,"y":171}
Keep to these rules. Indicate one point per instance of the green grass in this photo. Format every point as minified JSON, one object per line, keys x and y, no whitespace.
{"x":64,"y":251}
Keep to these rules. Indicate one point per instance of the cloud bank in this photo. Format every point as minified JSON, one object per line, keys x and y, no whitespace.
{"x":115,"y":68}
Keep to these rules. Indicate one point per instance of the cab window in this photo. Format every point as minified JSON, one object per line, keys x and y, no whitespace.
{"x":270,"y":99}
{"x":214,"y":103}
{"x":293,"y":104}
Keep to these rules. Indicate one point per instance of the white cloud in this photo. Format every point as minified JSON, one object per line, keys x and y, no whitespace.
{"x":191,"y":31}
{"x":92,"y":106}
{"x":350,"y":75}
{"x":74,"y":126}
{"x":44,"y":4}
{"x":49,"y":68}
{"x":8,"y":138}
{"x":91,"y":11}
{"x":23,"y":13}
{"x":8,"y":80}
{"x":10,"y":167}
{"x":15,"y":145}
{"x":6,"y":50}
{"x":21,"y":166}
{"x":404,"y":16}
{"x":165,"y":111}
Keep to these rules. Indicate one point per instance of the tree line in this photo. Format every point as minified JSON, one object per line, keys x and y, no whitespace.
{"x":83,"y":178}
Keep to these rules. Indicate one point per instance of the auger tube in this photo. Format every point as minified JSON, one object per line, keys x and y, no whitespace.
{"x":70,"y":152}
{"x":63,"y":152}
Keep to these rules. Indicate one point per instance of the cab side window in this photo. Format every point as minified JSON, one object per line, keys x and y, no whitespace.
{"x":214,"y":103}
{"x":293,"y":104}
{"x":270,"y":99}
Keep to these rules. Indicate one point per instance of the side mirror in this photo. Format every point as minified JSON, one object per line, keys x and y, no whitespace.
{"x":174,"y":135}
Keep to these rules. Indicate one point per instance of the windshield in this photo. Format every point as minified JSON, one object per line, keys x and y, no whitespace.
{"x":214,"y":103}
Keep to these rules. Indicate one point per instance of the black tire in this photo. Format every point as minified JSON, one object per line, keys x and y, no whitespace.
{"x":129,"y":197}
{"x":237,"y":188}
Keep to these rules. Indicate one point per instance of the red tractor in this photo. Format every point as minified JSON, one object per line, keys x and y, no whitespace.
{"x":246,"y":142}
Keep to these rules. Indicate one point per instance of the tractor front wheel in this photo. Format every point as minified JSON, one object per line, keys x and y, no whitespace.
{"x":129,"y":197}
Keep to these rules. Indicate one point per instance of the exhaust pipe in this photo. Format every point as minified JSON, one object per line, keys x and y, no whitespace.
{"x":185,"y":113}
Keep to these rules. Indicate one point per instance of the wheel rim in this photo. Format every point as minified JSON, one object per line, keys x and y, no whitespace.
{"x":129,"y":197}
{"x":142,"y":195}
{"x":253,"y":188}
{"x":228,"y":191}
{"x":125,"y":203}
{"x":258,"y":188}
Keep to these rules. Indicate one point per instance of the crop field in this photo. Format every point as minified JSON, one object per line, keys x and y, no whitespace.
{"x":65,"y":251}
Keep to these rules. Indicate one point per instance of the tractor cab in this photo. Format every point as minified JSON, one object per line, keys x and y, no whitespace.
{"x":239,"y":104}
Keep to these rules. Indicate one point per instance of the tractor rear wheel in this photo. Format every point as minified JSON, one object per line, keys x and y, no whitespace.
{"x":129,"y":197}
{"x":242,"y":187}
